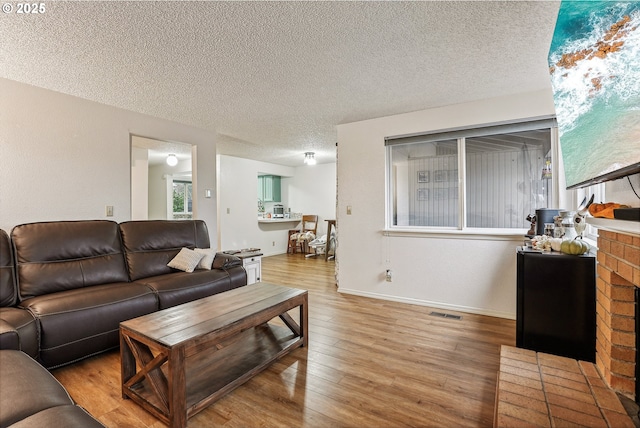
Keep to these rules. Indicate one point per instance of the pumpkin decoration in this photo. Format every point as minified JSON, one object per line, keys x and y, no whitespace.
{"x":556,"y":243}
{"x":574,"y":247}
{"x":605,"y":210}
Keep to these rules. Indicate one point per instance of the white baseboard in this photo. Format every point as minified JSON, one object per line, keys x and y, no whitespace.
{"x":272,"y":253}
{"x":438,"y":305}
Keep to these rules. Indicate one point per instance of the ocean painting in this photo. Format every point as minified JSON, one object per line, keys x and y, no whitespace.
{"x":594,"y":63}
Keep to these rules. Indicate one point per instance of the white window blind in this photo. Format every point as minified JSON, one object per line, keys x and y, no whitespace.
{"x":501,"y":171}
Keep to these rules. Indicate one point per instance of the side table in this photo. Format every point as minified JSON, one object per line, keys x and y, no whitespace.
{"x":252,"y":263}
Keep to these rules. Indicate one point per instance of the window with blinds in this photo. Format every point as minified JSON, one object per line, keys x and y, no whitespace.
{"x":501,"y":173}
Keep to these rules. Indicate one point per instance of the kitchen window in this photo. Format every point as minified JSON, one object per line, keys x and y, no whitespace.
{"x":488,"y":177}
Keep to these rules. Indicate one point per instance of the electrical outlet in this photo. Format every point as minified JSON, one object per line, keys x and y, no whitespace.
{"x":388,"y":275}
{"x":109,"y":210}
{"x":273,"y":244}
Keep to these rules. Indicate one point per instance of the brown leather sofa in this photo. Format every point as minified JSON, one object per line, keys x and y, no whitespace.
{"x":75,"y":281}
{"x":31,"y":397}
{"x":150,"y":245}
{"x":64,"y":289}
{"x":18,"y":328}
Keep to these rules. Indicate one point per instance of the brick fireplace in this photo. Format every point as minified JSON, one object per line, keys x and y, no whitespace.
{"x":618,"y":272}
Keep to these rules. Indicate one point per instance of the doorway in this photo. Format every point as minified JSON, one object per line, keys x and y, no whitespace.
{"x":161,"y":189}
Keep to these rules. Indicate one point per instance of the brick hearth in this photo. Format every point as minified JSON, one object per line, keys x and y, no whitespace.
{"x":542,"y":390}
{"x":618,"y":272}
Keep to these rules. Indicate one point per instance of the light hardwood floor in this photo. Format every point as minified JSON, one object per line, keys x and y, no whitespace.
{"x":370,"y":363}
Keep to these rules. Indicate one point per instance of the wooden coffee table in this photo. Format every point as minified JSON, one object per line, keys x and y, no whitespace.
{"x":177,"y":361}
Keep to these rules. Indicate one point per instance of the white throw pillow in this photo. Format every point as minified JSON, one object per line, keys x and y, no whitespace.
{"x":186,"y":260}
{"x":207,"y":260}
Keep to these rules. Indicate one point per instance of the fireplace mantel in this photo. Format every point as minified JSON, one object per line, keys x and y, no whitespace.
{"x":619,"y":226}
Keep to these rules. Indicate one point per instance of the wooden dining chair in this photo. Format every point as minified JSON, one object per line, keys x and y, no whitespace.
{"x":299,"y":238}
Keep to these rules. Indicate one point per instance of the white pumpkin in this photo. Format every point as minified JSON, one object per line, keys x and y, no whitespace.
{"x":556,"y":243}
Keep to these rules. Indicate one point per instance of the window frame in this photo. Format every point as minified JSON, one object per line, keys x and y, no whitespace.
{"x":460,"y":134}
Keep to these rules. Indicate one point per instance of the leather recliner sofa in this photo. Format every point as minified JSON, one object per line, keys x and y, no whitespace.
{"x":75,"y":281}
{"x":64,"y":289}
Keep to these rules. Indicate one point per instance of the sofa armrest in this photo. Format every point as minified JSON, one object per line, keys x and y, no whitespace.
{"x":31,"y":397}
{"x":9,"y":337}
{"x":226,"y":261}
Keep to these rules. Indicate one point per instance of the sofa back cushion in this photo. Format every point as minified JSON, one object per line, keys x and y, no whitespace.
{"x":65,"y":255}
{"x":8,"y":291}
{"x":150,"y":244}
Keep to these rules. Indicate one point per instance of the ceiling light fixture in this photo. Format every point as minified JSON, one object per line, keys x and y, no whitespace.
{"x":310,"y":158}
{"x":172,"y":160}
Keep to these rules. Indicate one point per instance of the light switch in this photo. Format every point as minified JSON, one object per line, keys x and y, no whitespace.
{"x":207,"y":193}
{"x":109,"y":210}
{"x":348,"y":209}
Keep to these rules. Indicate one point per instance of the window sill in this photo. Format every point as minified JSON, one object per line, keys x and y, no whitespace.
{"x":481,"y":234}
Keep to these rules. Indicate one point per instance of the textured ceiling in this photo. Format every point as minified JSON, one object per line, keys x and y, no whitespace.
{"x":273,"y":79}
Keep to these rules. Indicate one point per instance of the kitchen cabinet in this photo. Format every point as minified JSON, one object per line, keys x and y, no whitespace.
{"x":269,"y":188}
{"x":556,"y":303}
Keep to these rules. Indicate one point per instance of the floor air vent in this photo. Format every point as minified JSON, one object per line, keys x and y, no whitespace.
{"x":443,"y":315}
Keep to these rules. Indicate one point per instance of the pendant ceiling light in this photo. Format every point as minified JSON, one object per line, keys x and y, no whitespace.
{"x":172,"y":160}
{"x":310,"y":158}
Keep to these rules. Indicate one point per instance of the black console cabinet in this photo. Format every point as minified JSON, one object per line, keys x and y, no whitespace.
{"x":556,"y":307}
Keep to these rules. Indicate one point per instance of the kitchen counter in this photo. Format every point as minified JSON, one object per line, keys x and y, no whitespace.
{"x":279,"y":220}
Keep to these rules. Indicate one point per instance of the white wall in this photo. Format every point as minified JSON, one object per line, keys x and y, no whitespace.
{"x":305,"y":189}
{"x":620,"y":191}
{"x":158,"y":192}
{"x":313,"y":191}
{"x":461,"y":272}
{"x":65,"y":158}
{"x":139,"y":183}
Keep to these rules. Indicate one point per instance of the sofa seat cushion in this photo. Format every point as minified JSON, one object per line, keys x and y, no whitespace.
{"x":61,"y":416}
{"x":27,"y":388}
{"x":182,"y":287}
{"x":19,"y":330}
{"x":78,"y":323}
